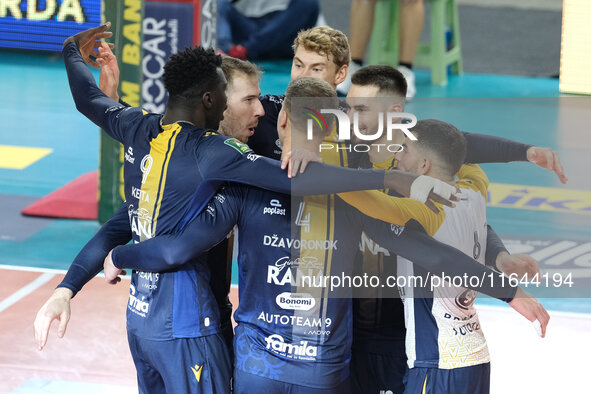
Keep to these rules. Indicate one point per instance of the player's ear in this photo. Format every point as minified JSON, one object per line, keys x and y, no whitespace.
{"x":425,"y":166}
{"x":208,"y":100}
{"x":282,"y":119}
{"x":341,"y":74}
{"x":396,"y":108}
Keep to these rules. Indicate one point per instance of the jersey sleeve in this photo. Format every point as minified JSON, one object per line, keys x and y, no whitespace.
{"x":395,"y":210}
{"x":439,"y":258}
{"x":471,"y":175}
{"x":494,"y":246}
{"x":103,"y":111}
{"x":89,"y":262}
{"x":227,"y":159}
{"x":166,"y":252}
{"x":490,"y":149}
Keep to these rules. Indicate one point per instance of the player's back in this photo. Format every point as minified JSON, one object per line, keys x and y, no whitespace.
{"x":289,"y":320}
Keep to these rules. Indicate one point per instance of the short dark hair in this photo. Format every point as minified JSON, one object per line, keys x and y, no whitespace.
{"x":388,"y":80}
{"x":444,"y":141}
{"x":319,"y":94}
{"x":190,"y":73}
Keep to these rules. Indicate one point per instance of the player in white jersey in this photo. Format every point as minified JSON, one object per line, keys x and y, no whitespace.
{"x":445,"y":345}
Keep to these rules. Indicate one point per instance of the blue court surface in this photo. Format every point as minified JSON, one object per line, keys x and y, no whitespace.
{"x":45,"y":143}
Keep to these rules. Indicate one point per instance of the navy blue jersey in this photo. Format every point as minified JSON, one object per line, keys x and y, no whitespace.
{"x":265,"y":140}
{"x":290,"y":329}
{"x":169,"y":169}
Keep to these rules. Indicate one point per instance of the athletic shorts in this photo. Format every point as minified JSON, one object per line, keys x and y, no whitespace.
{"x":375,"y":373}
{"x":186,"y":365}
{"x":466,"y":380}
{"x":247,"y":383}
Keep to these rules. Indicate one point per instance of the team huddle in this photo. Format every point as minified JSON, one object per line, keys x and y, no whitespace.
{"x":224,"y":161}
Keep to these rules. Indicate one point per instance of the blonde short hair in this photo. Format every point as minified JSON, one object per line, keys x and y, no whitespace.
{"x":326,"y":41}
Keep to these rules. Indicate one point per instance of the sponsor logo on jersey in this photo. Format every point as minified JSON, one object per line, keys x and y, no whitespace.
{"x":465,"y":299}
{"x":295,"y":301}
{"x":148,"y":280}
{"x":293,"y":320}
{"x":137,"y":305}
{"x":197,"y":369}
{"x":129,"y":155}
{"x":274,"y":208}
{"x":301,"y":351}
{"x":305,"y":266}
{"x":297,"y":244}
{"x":239,"y":146}
{"x":253,"y":157}
{"x":396,"y":229}
{"x":141,"y":221}
{"x":368,"y":244}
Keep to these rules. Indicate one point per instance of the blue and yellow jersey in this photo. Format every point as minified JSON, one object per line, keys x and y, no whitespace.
{"x":291,"y":323}
{"x":168,"y":168}
{"x":378,"y":316}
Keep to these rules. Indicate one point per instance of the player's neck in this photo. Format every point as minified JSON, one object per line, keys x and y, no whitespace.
{"x":179,"y":114}
{"x":433,"y":173}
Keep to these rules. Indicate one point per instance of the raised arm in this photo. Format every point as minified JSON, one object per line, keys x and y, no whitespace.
{"x":490,"y":149}
{"x":89,"y":99}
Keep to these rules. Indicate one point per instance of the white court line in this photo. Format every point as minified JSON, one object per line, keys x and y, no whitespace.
{"x":47,"y":270}
{"x":26,"y":290}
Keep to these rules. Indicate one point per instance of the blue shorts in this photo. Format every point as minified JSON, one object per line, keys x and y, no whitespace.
{"x":466,"y":380}
{"x":375,"y":373}
{"x":186,"y":365}
{"x":247,"y":383}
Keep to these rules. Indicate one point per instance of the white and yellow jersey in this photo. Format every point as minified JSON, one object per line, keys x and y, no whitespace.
{"x":442,"y":325}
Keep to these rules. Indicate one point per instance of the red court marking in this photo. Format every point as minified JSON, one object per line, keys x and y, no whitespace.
{"x":11,"y":281}
{"x":94,"y":349}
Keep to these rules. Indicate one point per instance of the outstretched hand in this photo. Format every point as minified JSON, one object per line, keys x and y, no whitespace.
{"x":57,"y":307}
{"x":548,"y":159}
{"x":88,"y":42}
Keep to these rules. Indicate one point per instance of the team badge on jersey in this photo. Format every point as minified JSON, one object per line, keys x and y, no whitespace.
{"x":239,"y":146}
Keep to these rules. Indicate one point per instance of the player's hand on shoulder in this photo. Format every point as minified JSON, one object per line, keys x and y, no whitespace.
{"x":548,"y":159}
{"x":112,"y":273}
{"x":56,"y":307}
{"x":421,"y":188}
{"x":297,"y":160}
{"x":88,"y":42}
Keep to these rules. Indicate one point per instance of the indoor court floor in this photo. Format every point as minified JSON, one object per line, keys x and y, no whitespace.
{"x":45,"y":143}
